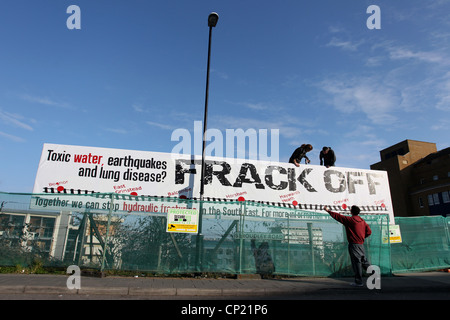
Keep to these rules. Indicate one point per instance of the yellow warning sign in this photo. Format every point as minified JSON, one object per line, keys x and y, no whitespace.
{"x":394,"y":235}
{"x":182,"y":220}
{"x":182,"y":228}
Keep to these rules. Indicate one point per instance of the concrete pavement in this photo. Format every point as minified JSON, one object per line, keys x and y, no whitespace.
{"x":436,"y":284}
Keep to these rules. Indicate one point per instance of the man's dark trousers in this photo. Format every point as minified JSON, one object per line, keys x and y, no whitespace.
{"x":359,"y":260}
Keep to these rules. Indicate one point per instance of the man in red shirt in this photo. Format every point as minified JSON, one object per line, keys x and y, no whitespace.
{"x":357,"y":230}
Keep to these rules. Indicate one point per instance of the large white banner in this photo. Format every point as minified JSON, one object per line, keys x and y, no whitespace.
{"x":65,"y":169}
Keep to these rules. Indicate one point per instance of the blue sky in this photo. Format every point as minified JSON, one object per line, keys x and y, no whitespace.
{"x":136,"y":71}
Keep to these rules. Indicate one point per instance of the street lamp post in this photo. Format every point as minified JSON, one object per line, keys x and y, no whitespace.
{"x":212,"y":21}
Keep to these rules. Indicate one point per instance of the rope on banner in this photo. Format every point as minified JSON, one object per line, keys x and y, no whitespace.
{"x":297,"y":206}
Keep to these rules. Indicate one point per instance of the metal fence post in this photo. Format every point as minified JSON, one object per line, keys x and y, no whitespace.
{"x":311,"y":244}
{"x":107,"y":232}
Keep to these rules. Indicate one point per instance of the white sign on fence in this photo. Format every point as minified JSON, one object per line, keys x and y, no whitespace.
{"x":65,"y":169}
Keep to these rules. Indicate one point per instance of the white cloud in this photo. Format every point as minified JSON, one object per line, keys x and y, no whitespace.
{"x":336,"y":29}
{"x":425,"y":81}
{"x":221,"y":75}
{"x":160,"y":125}
{"x":138,"y":108}
{"x":11,"y":137}
{"x":366,"y":95}
{"x":293,"y":130}
{"x":425,"y":56}
{"x":255,"y":106}
{"x":45,"y":101}
{"x":345,"y":45}
{"x":443,"y":94}
{"x":15,"y":120}
{"x":115,"y":130}
{"x":442,"y":124}
{"x":374,"y":61}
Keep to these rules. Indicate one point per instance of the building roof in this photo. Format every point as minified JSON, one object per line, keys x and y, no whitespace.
{"x":433,"y":156}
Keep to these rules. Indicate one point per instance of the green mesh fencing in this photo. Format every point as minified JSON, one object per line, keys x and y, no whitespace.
{"x":425,"y":244}
{"x":122,"y":232}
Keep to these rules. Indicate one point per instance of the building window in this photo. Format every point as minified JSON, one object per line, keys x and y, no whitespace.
{"x":445,"y":197}
{"x":436,"y":198}
{"x":435,"y":177}
{"x":11,"y":225}
{"x":420,"y":202}
{"x":430,"y":200}
{"x":42,"y":227}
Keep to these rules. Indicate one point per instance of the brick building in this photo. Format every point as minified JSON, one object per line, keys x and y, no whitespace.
{"x":419,"y":178}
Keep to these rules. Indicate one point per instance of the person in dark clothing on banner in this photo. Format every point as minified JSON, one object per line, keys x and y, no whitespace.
{"x":327,"y":157}
{"x":357,"y":231}
{"x":299,"y":154}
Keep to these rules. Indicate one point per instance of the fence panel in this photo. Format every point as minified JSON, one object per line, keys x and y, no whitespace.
{"x":425,"y":244}
{"x":111,"y":232}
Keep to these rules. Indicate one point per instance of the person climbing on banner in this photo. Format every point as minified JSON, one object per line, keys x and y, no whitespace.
{"x":299,"y":154}
{"x":357,"y":231}
{"x":327,"y":157}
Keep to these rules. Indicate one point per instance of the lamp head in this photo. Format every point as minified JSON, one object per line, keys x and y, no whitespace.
{"x":212,"y":19}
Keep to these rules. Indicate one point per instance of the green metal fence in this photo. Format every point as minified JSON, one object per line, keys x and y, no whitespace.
{"x":425,"y":244}
{"x":115,"y":232}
